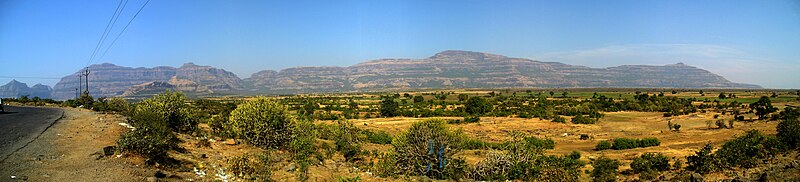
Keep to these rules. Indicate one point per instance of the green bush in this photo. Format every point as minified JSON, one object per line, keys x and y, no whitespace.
{"x":648,"y":165}
{"x":151,"y":138}
{"x":789,"y":128}
{"x":428,"y":149}
{"x":302,"y":146}
{"x":173,"y":108}
{"x":379,"y":137}
{"x":251,"y":167}
{"x":389,"y":108}
{"x":745,"y":150}
{"x":703,"y":161}
{"x":580,"y":119}
{"x":605,"y":169}
{"x":603,"y":145}
{"x":649,"y":142}
{"x":478,"y":106}
{"x":347,"y":140}
{"x":625,"y":143}
{"x":262,"y":122}
{"x":118,"y":105}
{"x":472,"y":119}
{"x":524,"y":160}
{"x":559,"y":119}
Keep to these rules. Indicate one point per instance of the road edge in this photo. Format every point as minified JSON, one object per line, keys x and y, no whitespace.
{"x":37,"y":135}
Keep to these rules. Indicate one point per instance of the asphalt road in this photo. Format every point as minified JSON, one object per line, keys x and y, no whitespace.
{"x":21,"y":125}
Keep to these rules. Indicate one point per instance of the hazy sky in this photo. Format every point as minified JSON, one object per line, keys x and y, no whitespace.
{"x":745,"y":41}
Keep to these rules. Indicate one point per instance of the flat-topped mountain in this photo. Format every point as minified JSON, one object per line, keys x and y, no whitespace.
{"x":464,"y":69}
{"x":107,"y":79}
{"x":448,"y":69}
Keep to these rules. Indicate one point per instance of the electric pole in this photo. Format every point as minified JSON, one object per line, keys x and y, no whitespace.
{"x":86,"y":75}
{"x":80,"y":82}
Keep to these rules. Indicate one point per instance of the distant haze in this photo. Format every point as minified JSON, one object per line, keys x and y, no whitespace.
{"x":744,"y":41}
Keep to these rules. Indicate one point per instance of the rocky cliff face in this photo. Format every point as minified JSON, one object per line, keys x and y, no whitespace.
{"x":111,"y":80}
{"x":14,"y":89}
{"x":464,"y":69}
{"x":448,"y":69}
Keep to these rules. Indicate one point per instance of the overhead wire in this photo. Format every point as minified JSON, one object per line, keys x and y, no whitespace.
{"x":123,"y":30}
{"x":109,"y":27}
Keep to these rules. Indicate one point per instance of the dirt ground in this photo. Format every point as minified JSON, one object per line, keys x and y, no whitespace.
{"x":71,"y":150}
{"x":693,"y":135}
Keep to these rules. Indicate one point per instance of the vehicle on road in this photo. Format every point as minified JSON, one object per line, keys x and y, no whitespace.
{"x":1,"y":106}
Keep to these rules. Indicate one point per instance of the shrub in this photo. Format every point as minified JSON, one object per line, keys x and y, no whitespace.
{"x":302,"y":146}
{"x":789,"y":128}
{"x":625,"y":143}
{"x":744,"y":150}
{"x":559,"y":119}
{"x":151,"y":138}
{"x":580,"y":119}
{"x":389,"y":108}
{"x":472,"y":119}
{"x":172,"y":107}
{"x":605,"y":169}
{"x":603,"y":145}
{"x":379,"y":137}
{"x":478,"y":106}
{"x":118,"y":105}
{"x":649,"y":164}
{"x":703,"y":161}
{"x":649,"y":142}
{"x":428,"y":148}
{"x":347,"y":140}
{"x":262,"y":122}
{"x":252,"y":167}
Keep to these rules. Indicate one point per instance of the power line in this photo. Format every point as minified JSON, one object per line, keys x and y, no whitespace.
{"x":109,"y":26}
{"x":123,"y":30}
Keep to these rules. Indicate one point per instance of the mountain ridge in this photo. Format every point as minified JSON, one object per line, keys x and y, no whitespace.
{"x":444,"y":70}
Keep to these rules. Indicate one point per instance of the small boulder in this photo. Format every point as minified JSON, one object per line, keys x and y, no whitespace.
{"x":230,"y":142}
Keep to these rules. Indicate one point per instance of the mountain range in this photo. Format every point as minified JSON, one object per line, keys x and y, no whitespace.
{"x":444,"y":70}
{"x":14,"y":89}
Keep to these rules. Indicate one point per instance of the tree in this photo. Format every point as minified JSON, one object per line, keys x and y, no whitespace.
{"x":703,"y":161}
{"x":763,"y":107}
{"x":552,"y":93}
{"x":722,"y":95}
{"x":478,"y":105}
{"x":418,"y":99}
{"x":605,"y":169}
{"x":463,"y":97}
{"x":789,"y":128}
{"x":389,"y":108}
{"x":564,"y":94}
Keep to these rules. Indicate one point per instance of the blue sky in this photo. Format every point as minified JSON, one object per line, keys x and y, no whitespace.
{"x":745,"y":41}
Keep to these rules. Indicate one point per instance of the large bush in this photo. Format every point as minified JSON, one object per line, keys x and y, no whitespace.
{"x":262,"y":122}
{"x":478,"y":106}
{"x":151,"y":138}
{"x":703,"y":161}
{"x":347,"y":140}
{"x":603,"y":145}
{"x":524,"y":160}
{"x":389,"y":108}
{"x":789,"y":128}
{"x":745,"y":150}
{"x":428,"y":148}
{"x":173,"y":108}
{"x":649,"y":164}
{"x":605,"y":169}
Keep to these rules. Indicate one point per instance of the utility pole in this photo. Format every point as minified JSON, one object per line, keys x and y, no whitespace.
{"x":80,"y":83}
{"x":76,"y":93}
{"x":86,"y":75}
